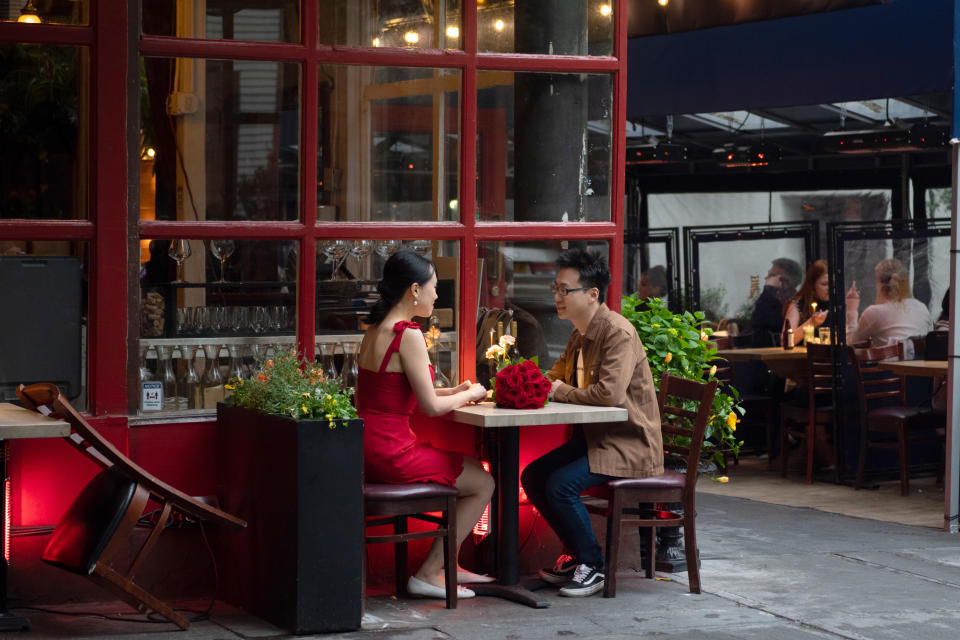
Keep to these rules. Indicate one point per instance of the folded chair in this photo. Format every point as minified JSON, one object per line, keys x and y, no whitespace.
{"x":626,"y":501}
{"x":93,"y":534}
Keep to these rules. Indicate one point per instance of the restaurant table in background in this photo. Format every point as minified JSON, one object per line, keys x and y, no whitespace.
{"x":786,"y":363}
{"x":17,"y":422}
{"x":506,"y":470}
{"x":921,"y":368}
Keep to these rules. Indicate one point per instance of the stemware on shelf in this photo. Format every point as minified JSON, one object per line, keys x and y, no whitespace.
{"x":212,"y":380}
{"x":188,"y":383}
{"x":236,"y":370}
{"x":222,"y":249}
{"x":180,"y":251}
{"x":421,"y":247}
{"x":386,"y":248}
{"x":239,"y":319}
{"x":166,"y":373}
{"x":335,"y":251}
{"x":218,"y":319}
{"x":201,"y":320}
{"x":440,"y":380}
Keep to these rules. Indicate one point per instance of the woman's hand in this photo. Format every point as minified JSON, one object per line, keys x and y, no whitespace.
{"x":853,"y":296}
{"x":476,"y":390}
{"x":819,"y":318}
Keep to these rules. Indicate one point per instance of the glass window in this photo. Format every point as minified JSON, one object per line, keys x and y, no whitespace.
{"x":46,"y":282}
{"x":389,"y":144}
{"x":411,"y":24}
{"x":219,"y":139}
{"x":44,"y":119}
{"x":552,"y":27}
{"x":45,"y":11}
{"x":543,"y":146}
{"x":224,"y":301}
{"x":516,"y":278}
{"x":264,"y":20}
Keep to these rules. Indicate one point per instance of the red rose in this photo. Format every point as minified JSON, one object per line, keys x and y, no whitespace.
{"x":545,"y":385}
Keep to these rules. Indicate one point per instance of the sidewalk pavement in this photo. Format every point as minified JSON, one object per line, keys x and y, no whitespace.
{"x":768,"y":572}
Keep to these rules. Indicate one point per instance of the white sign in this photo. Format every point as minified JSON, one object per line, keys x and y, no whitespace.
{"x":151,"y":396}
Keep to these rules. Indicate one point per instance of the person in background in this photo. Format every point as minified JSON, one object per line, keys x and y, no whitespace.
{"x":766,"y":321}
{"x":894,"y":316}
{"x":939,"y":400}
{"x":604,"y":364}
{"x":798,"y":310}
{"x":394,"y":378}
{"x":653,"y":283}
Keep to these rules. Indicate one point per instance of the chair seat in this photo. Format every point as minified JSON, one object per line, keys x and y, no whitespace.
{"x":413,"y":491}
{"x":669,"y":479}
{"x":909,"y":414}
{"x":83,"y":532}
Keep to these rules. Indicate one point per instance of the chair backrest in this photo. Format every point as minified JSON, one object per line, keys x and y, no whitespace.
{"x":46,"y":398}
{"x":685,"y":422}
{"x":873,"y":383}
{"x":820,"y":378}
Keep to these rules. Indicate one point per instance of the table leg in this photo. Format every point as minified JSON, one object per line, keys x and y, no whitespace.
{"x":7,"y":622}
{"x":506,"y":465}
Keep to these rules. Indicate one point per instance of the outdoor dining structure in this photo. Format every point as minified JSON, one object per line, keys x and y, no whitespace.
{"x":188,"y":189}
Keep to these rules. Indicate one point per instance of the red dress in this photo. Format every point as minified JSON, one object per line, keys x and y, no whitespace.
{"x":391,"y":452}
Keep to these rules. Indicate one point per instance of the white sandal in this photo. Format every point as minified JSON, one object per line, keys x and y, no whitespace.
{"x":422,"y":589}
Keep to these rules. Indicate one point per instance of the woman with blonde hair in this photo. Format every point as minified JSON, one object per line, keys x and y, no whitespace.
{"x":895,"y":315}
{"x":798,"y":311}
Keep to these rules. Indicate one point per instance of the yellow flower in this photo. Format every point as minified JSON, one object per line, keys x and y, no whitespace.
{"x":303,"y":408}
{"x":668,"y":358}
{"x":704,"y":336}
{"x":229,"y":387}
{"x":305,"y":394}
{"x":329,"y":416}
{"x":732,"y":421}
{"x":722,"y":479}
{"x":713,"y":370}
{"x":494,"y":351}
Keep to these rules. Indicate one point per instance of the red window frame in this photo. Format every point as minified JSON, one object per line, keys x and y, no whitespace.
{"x":113,"y":203}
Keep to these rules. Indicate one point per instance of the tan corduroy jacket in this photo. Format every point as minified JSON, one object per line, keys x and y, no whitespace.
{"x":615,"y":374}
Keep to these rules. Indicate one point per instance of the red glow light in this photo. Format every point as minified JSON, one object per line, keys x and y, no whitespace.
{"x":482,"y":528}
{"x":6,"y":519}
{"x":410,"y":166}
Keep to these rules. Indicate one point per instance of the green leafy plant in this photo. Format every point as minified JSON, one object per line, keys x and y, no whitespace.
{"x":290,"y":386}
{"x":679,"y":344}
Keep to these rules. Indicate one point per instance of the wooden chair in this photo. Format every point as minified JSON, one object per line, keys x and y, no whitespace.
{"x":624,"y":505}
{"x":393,"y":504}
{"x":802,"y":422}
{"x":897,"y":426}
{"x":94,"y":533}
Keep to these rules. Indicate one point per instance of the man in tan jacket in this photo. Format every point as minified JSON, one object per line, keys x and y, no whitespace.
{"x":604,"y":364}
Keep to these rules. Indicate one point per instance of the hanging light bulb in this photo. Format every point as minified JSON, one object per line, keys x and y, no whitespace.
{"x":376,"y":42}
{"x":411,"y":37}
{"x":663,"y":3}
{"x":453,"y":32}
{"x":498,"y":24}
{"x":29,"y":14}
{"x":605,"y":10}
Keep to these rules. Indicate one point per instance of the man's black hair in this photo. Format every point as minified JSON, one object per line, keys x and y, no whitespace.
{"x":592,"y":268}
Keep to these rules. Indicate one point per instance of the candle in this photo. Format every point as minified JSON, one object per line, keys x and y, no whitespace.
{"x":813,"y":305}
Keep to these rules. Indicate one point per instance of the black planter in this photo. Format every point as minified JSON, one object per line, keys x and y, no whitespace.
{"x":299,"y":485}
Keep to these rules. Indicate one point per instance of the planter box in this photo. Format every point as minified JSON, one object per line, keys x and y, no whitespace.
{"x":299,"y":485}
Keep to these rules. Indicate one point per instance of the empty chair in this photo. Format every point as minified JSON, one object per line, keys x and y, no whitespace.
{"x":815,"y":414}
{"x":94,"y":533}
{"x":394,"y":503}
{"x":884,"y":425}
{"x":626,"y":498}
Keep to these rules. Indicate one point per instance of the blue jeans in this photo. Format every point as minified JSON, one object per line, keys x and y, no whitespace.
{"x":553,"y":483}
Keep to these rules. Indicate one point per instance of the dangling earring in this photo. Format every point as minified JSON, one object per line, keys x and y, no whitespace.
{"x":414,"y":303}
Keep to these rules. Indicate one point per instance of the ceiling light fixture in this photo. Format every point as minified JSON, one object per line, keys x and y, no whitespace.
{"x":885,"y":140}
{"x":605,"y":10}
{"x":756,"y":155}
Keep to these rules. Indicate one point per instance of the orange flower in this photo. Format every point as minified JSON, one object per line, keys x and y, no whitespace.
{"x":261,"y":377}
{"x":268,"y":364}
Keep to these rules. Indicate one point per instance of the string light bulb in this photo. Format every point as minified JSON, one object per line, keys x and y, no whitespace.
{"x":498,"y":25}
{"x":411,"y":37}
{"x":605,"y":10}
{"x":376,"y":42}
{"x":453,"y":32}
{"x":663,"y":3}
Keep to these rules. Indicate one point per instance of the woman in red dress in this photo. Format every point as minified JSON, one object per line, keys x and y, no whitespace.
{"x":396,"y":377}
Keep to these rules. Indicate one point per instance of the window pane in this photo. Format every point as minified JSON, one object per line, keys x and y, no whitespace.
{"x":265,"y":20}
{"x":46,"y":282}
{"x":38,"y":12}
{"x":410,"y":24}
{"x":226,"y":300}
{"x":389,"y":144}
{"x":516,"y":277}
{"x":347,"y":276}
{"x":553,"y":27}
{"x":234,"y":128}
{"x":543,"y":146}
{"x":44,"y":119}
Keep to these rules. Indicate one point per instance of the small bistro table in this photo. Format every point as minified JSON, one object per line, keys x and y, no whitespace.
{"x":786,"y":363}
{"x":922,"y":368}
{"x":17,"y":422}
{"x":506,"y":470}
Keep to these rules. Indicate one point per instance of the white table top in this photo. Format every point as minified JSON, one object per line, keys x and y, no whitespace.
{"x":487,"y":414}
{"x":17,"y":422}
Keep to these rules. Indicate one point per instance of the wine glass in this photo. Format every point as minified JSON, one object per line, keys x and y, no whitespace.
{"x":336,"y":251}
{"x":221,"y":250}
{"x":421,"y":247}
{"x":386,"y":248}
{"x":180,"y":251}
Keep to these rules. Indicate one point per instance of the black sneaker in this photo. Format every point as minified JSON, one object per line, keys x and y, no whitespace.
{"x":561,"y":572}
{"x":586,"y":581}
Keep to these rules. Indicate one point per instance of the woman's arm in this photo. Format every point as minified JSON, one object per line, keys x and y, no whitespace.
{"x":416,"y":366}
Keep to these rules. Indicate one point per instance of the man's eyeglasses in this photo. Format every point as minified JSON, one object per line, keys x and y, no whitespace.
{"x":562,"y":290}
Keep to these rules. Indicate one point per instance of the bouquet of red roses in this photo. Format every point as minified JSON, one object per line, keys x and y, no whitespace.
{"x":521,"y":386}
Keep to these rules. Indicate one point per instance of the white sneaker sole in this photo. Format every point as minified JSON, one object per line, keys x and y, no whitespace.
{"x":582,"y":592}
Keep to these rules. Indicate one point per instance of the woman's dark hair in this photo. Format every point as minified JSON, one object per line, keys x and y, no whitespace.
{"x":945,"y":305}
{"x":591,"y":267}
{"x":808,"y":291}
{"x":401,"y":270}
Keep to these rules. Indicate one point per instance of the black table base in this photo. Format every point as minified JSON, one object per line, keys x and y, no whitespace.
{"x":10,"y":622}
{"x":520,"y":593}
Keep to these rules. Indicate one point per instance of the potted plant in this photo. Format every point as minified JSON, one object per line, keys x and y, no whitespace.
{"x":290,"y":462}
